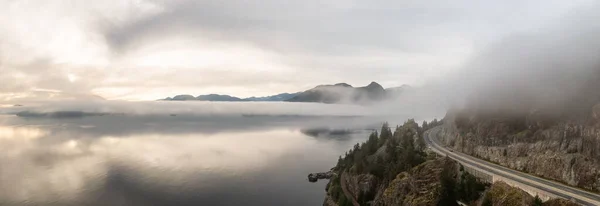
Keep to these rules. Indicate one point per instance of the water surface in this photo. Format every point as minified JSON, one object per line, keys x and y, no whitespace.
{"x":167,"y":160}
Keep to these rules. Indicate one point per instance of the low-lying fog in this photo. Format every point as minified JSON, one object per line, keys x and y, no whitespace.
{"x":175,"y":153}
{"x":207,"y":153}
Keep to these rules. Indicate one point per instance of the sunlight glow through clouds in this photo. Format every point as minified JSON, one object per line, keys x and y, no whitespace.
{"x":72,"y":77}
{"x":24,"y":133}
{"x":150,"y":49}
{"x":186,"y":52}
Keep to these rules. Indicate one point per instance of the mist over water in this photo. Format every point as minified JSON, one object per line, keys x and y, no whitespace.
{"x":504,"y":58}
{"x":212,"y":158}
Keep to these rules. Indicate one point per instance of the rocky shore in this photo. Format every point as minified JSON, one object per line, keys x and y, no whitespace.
{"x":314,"y":177}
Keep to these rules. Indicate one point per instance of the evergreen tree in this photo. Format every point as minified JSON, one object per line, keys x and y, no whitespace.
{"x":487,"y":201}
{"x":537,"y":201}
{"x":469,"y":188}
{"x":372,"y":144}
{"x":448,"y":184}
{"x":386,"y":134}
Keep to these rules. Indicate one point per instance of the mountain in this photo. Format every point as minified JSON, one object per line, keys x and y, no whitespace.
{"x":227,"y":98}
{"x":372,"y":92}
{"x":218,"y":98}
{"x":342,"y":93}
{"x":183,"y":97}
{"x":336,"y":93}
{"x":274,"y":98}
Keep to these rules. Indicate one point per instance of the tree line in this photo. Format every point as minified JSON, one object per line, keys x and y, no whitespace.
{"x":387,"y":153}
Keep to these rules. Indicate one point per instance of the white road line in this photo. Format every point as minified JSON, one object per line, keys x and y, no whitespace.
{"x":468,"y":160}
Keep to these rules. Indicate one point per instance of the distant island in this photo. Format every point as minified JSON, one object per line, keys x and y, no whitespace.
{"x":336,"y":93}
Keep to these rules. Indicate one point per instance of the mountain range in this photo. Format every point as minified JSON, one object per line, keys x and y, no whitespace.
{"x":336,"y":93}
{"x":228,"y":98}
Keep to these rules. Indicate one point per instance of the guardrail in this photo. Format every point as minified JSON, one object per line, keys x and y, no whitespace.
{"x":529,"y":183}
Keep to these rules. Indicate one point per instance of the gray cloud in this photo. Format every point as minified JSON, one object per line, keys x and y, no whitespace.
{"x":554,"y":69}
{"x":331,"y":27}
{"x":299,"y":44}
{"x":321,"y":27}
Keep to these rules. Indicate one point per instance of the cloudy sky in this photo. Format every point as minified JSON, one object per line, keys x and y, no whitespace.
{"x":150,"y":49}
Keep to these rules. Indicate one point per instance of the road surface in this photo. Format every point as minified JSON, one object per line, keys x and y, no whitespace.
{"x":550,"y":187}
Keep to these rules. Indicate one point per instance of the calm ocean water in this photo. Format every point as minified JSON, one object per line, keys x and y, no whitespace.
{"x":167,"y":160}
{"x":177,"y":153}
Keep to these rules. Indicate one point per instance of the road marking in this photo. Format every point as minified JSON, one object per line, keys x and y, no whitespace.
{"x":541,"y":184}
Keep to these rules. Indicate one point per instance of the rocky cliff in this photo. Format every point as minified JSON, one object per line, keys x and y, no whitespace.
{"x":502,"y":194}
{"x":419,"y":186}
{"x":557,"y":147}
{"x":393,"y":169}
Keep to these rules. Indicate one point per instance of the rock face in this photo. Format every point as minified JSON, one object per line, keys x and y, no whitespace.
{"x":502,"y":194}
{"x":394,"y":169}
{"x":562,"y":149}
{"x":329,"y":202}
{"x":314,"y":177}
{"x":419,"y":186}
{"x":361,"y":184}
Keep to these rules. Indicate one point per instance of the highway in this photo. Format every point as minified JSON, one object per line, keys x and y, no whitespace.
{"x":552,"y":188}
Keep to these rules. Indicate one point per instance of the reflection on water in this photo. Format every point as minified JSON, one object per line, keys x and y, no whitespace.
{"x":164,"y":161}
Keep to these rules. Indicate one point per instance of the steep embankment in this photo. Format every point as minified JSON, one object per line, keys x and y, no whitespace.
{"x":344,"y":184}
{"x":502,"y":194}
{"x":553,"y":132}
{"x":396,"y":169}
{"x":418,"y":186}
{"x":560,"y":148}
{"x":393,"y":169}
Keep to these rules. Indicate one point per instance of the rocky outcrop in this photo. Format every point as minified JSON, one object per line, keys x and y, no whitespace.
{"x":502,"y":194}
{"x":359,"y":185}
{"x":419,"y":186}
{"x":373,"y":174}
{"x":329,"y":201}
{"x":314,"y":177}
{"x":565,"y":150}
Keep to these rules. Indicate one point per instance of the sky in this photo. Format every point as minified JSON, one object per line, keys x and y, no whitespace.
{"x":151,"y":49}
